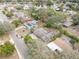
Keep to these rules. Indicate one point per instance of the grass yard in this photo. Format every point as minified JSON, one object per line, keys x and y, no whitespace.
{"x":39,"y":50}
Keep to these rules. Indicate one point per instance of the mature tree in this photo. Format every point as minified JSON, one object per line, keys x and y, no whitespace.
{"x":51,"y":12}
{"x":55,"y":20}
{"x":5,"y":27}
{"x":39,"y":14}
{"x":43,"y":15}
{"x":34,"y":14}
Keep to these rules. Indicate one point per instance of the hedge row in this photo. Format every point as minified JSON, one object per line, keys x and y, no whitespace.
{"x":72,"y":36}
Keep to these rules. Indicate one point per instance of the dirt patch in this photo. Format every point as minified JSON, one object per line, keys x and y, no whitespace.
{"x":4,"y":38}
{"x":14,"y":56}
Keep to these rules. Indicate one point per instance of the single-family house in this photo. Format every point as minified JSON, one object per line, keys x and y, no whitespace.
{"x":54,"y":47}
{"x":21,"y":31}
{"x":71,"y":13}
{"x":60,"y":45}
{"x":43,"y":34}
{"x":56,"y":7}
{"x":30,"y":24}
{"x":63,"y":43}
{"x":67,"y":22}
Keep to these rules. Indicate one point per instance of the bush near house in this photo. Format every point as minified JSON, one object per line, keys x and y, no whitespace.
{"x":27,"y":38}
{"x":56,"y":36}
{"x":75,"y":39}
{"x":7,"y":49}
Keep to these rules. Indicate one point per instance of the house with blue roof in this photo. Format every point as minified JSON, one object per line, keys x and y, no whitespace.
{"x":30,"y":24}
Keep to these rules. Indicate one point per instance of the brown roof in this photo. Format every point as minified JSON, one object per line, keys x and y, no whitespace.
{"x":61,"y":43}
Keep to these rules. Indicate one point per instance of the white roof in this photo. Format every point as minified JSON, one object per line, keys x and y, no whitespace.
{"x":53,"y":47}
{"x":68,"y":23}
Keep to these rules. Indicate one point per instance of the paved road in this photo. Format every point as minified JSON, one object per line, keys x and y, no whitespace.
{"x":20,"y":46}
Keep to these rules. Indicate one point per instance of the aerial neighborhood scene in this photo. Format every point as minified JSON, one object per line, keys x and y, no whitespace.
{"x":39,"y":29}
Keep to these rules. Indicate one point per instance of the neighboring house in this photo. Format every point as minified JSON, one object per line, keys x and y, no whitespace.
{"x":21,"y":31}
{"x":19,"y":14}
{"x":56,"y":7}
{"x":13,"y":9}
{"x":27,"y":6}
{"x":43,"y":34}
{"x":54,"y":47}
{"x":66,"y":39}
{"x":64,"y":43}
{"x":59,"y":45}
{"x":65,"y":8}
{"x":31,"y":24}
{"x":67,"y":22}
{"x":25,"y":19}
{"x":71,"y":13}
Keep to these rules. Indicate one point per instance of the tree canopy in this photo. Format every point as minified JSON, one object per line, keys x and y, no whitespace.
{"x":5,"y":28}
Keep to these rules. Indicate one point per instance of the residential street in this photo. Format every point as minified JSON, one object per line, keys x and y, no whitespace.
{"x":19,"y":45}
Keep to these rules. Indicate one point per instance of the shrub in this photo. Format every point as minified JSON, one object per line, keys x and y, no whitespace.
{"x":73,"y":37}
{"x":56,"y":36}
{"x":7,"y":49}
{"x":17,"y":23}
{"x":27,"y":38}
